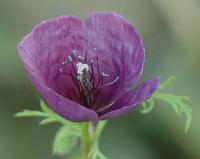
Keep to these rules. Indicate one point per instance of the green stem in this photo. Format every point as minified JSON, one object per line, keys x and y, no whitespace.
{"x":85,"y":140}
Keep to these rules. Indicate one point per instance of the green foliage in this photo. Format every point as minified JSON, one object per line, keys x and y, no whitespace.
{"x":66,"y":137}
{"x":95,"y":152}
{"x":65,"y":140}
{"x":166,"y":83}
{"x":48,"y":116}
{"x":31,"y":113}
{"x":178,"y":103}
{"x":147,"y":106}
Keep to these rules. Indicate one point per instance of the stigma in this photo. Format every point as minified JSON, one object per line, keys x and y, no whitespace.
{"x":82,"y":68}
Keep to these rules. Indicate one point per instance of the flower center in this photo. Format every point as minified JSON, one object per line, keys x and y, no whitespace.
{"x":86,"y":76}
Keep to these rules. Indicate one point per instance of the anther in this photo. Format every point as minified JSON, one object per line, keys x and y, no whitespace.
{"x":89,"y":34}
{"x":74,"y":53}
{"x":104,"y":74}
{"x":81,"y":58}
{"x":69,"y":58}
{"x":65,"y":62}
{"x":95,"y":49}
{"x":61,"y":71}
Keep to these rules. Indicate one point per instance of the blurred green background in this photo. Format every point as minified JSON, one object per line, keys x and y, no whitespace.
{"x":171,"y":34}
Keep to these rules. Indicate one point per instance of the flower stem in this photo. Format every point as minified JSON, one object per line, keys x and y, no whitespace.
{"x":85,"y":140}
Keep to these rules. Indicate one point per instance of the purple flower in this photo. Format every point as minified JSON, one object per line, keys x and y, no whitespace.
{"x":86,"y":70}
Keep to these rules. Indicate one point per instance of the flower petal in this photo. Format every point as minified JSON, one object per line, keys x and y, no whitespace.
{"x":132,"y":98}
{"x":45,"y":49}
{"x":119,"y":49}
{"x":68,"y":109}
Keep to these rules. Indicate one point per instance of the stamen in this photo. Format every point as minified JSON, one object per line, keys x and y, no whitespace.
{"x":104,"y":108}
{"x":92,"y":78}
{"x":88,"y":83}
{"x":74,"y":53}
{"x":89,"y":33}
{"x":76,"y":83}
{"x":105,"y":74}
{"x":81,"y":58}
{"x":114,"y":81}
{"x":95,"y":49}
{"x":99,"y":78}
{"x":73,"y":68}
{"x":61,"y":71}
{"x":78,"y":77}
{"x":86,"y":53}
{"x":69,"y":58}
{"x":65,"y":62}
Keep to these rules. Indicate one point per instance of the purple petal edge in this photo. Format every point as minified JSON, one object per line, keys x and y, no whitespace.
{"x":68,"y":109}
{"x":133,"y":98}
{"x":120,"y":50}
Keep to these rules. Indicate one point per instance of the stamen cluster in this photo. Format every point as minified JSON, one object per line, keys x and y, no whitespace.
{"x":86,"y":76}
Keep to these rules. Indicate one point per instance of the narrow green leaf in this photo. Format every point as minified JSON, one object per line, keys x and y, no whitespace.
{"x":188,"y":119}
{"x":65,"y":141}
{"x":167,"y":82}
{"x":45,"y":108}
{"x":100,"y":127}
{"x":95,"y":153}
{"x":47,"y":121}
{"x":178,"y":103}
{"x":101,"y":155}
{"x":49,"y":117}
{"x":147,"y":106}
{"x":30,"y":113}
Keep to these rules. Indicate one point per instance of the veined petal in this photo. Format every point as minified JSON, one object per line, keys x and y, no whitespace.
{"x":67,"y":108}
{"x":112,"y":50}
{"x":45,"y":49}
{"x":132,"y":98}
{"x":119,"y":49}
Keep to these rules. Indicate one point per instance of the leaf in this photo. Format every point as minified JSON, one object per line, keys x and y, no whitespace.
{"x":95,"y":152}
{"x":49,"y":116}
{"x":178,"y":103}
{"x":67,"y":136}
{"x":65,"y":140}
{"x":30,"y":113}
{"x":167,"y":82}
{"x":47,"y":121}
{"x":99,"y":128}
{"x":44,"y":107}
{"x":147,"y":106}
